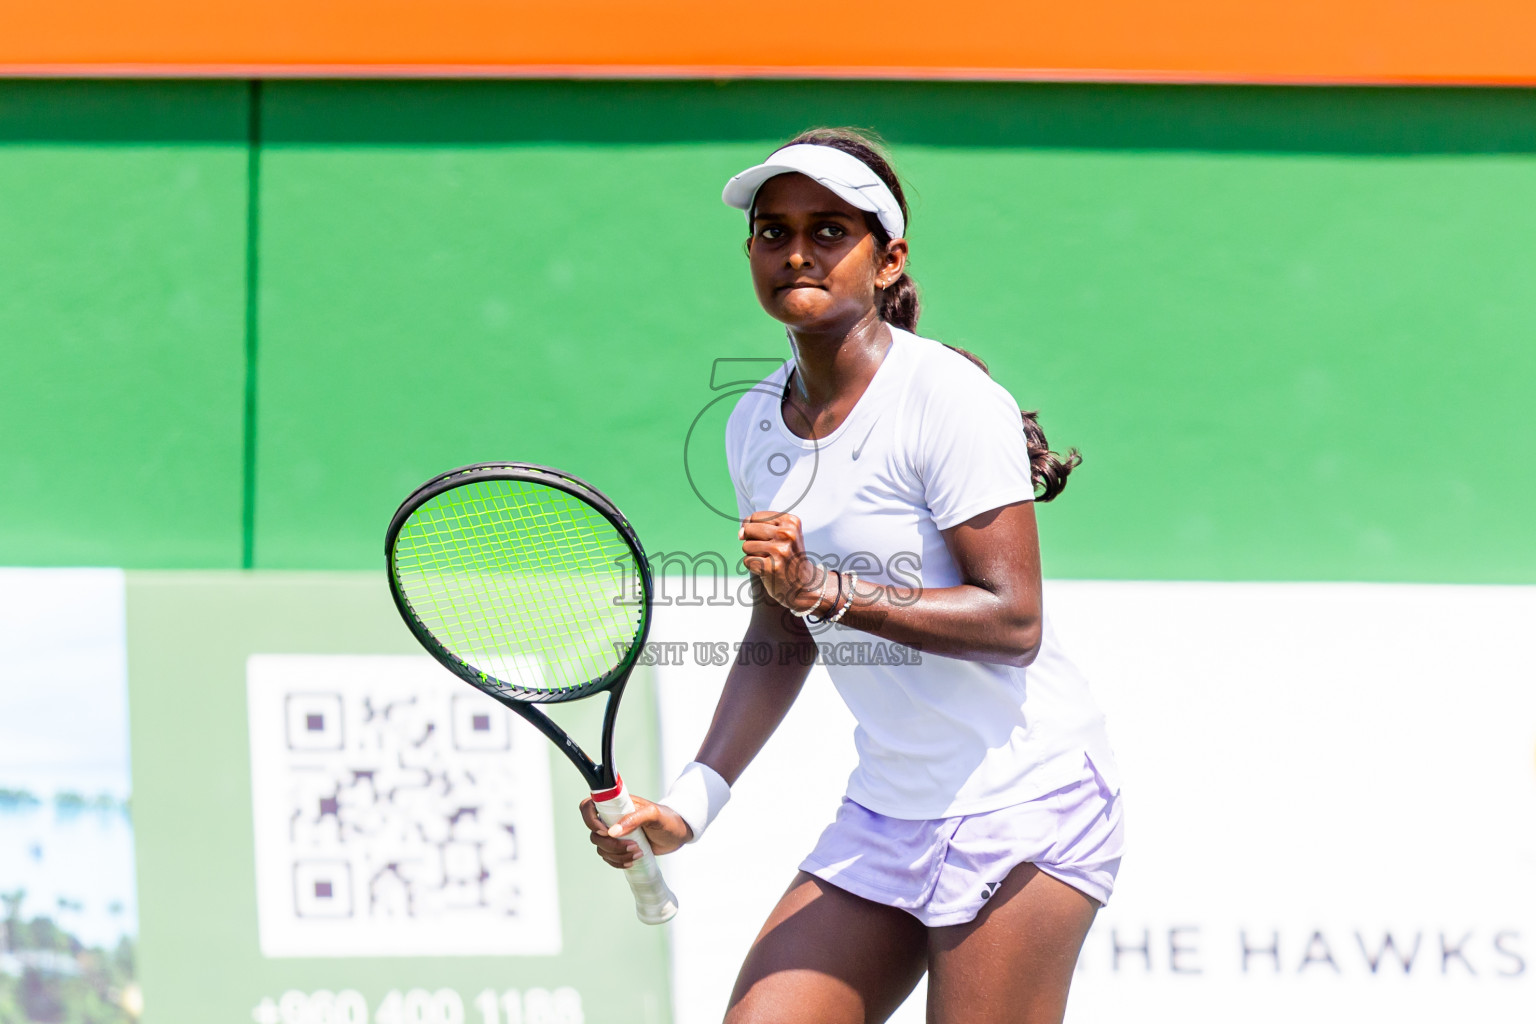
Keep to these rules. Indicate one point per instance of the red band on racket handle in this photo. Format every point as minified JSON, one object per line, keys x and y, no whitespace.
{"x":610,"y":794}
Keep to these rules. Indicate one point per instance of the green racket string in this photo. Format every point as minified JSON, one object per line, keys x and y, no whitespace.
{"x":523,"y":582}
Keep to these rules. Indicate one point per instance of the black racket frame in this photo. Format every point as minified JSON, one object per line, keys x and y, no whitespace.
{"x":599,"y":775}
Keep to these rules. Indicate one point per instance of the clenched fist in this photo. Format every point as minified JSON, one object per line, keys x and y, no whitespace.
{"x":773,"y":549}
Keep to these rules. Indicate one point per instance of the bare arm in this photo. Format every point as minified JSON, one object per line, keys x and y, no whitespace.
{"x":993,"y":615}
{"x":757,"y":697}
{"x":755,"y":700}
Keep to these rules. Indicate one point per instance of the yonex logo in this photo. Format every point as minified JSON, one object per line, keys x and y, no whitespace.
{"x":989,"y":889}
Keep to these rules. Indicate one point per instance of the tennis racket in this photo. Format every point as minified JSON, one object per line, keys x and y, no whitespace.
{"x":528,"y":584}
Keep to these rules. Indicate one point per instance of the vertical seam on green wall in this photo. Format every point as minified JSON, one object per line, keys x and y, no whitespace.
{"x":252,"y":297}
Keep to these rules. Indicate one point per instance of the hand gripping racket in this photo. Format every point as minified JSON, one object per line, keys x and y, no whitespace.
{"x":529,"y":585}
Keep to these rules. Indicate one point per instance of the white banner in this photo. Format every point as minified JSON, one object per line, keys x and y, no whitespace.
{"x":1331,"y":803}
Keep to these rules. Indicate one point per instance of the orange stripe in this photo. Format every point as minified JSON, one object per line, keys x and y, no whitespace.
{"x":1290,"y":41}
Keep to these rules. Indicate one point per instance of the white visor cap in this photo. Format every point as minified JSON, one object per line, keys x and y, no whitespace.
{"x":842,"y":174}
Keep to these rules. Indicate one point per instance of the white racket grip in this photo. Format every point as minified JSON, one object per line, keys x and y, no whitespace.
{"x":654,"y":902}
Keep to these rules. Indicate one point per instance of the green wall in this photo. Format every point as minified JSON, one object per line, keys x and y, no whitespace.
{"x":122,"y":296}
{"x":1291,"y":329}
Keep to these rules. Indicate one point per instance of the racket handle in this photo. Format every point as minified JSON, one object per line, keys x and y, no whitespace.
{"x":654,"y":902}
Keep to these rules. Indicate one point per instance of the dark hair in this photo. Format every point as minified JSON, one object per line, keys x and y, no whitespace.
{"x":899,"y":304}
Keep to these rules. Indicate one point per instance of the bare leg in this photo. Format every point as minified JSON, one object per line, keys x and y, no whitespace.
{"x":1014,"y":962}
{"x":827,"y":956}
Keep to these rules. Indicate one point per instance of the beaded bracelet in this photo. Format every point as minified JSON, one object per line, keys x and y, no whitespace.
{"x":820,"y":595}
{"x":853,"y":581}
{"x":837,"y":596}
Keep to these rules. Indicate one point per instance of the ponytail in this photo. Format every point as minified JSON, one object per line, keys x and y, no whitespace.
{"x":898,"y":304}
{"x":1047,"y":469}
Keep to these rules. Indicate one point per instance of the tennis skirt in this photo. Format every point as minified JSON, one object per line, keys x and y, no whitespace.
{"x":943,"y":871}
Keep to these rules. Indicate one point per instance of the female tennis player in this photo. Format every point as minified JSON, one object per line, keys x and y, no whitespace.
{"x":886,"y":489}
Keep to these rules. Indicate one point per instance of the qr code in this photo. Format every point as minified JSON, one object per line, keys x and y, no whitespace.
{"x":398,"y":812}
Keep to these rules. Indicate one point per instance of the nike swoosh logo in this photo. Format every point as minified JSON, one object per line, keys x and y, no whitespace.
{"x":857,"y":451}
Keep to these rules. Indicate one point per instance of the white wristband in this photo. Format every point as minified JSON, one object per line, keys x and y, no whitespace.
{"x":697,"y":796}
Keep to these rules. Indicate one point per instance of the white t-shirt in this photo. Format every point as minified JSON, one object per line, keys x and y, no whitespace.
{"x":931,"y":443}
